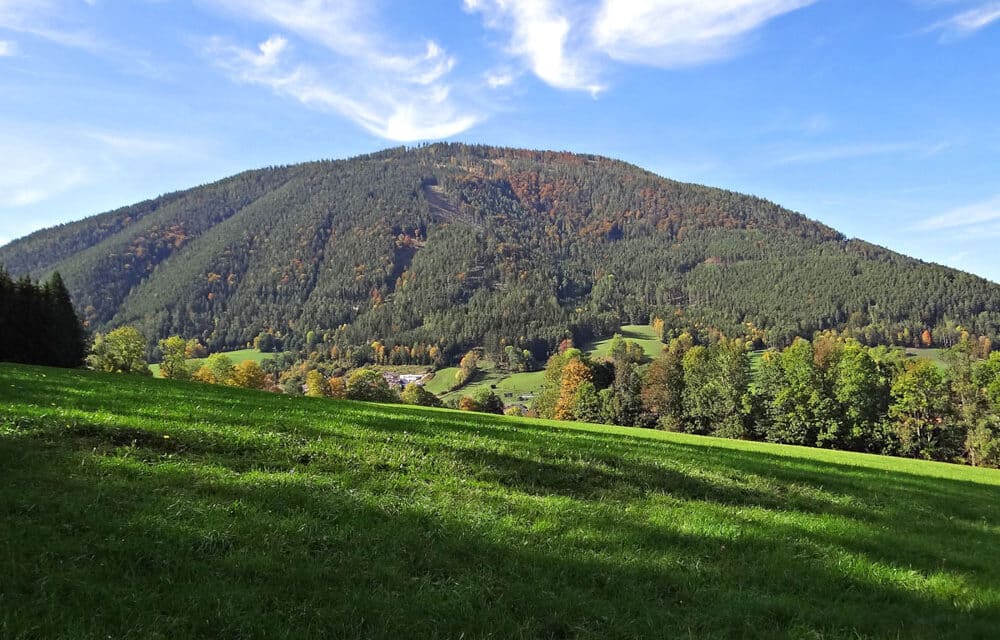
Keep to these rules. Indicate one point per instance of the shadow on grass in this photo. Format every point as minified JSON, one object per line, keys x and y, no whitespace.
{"x":105,"y":547}
{"x":111,"y":526}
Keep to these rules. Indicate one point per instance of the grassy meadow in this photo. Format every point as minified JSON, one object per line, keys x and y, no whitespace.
{"x":236,"y":356}
{"x":488,"y":376}
{"x":140,"y":508}
{"x":641,"y":334}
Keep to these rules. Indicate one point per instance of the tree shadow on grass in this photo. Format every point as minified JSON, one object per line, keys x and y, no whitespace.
{"x":895,"y":520}
{"x":166,"y":552}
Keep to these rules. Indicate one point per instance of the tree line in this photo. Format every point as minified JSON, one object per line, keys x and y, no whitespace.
{"x":831,"y":392}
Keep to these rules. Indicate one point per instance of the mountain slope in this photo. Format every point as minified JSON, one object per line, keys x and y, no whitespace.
{"x":456,"y":245}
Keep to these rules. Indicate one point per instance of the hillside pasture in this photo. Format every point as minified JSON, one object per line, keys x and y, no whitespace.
{"x":641,"y":334}
{"x":146,"y":508}
{"x":489,"y":376}
{"x":236,"y":356}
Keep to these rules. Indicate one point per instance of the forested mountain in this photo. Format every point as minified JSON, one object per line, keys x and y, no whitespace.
{"x":452,"y":246}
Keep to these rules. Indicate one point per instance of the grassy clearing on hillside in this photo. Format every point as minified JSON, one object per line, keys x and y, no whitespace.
{"x":639,"y":333}
{"x":236,"y":356}
{"x":489,"y":377}
{"x":530,"y":383}
{"x":154,"y":509}
{"x":935,"y":355}
{"x":443,"y":380}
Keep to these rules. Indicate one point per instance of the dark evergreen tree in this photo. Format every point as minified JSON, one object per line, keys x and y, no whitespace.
{"x":39,"y":324}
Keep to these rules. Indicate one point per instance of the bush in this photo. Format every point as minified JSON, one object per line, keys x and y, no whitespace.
{"x":417,"y":395}
{"x":369,"y":385}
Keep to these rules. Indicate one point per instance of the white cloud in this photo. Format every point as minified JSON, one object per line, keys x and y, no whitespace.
{"x":674,"y":33}
{"x":968,"y":22}
{"x":982,"y":214}
{"x":499,"y":78}
{"x":398,"y":94}
{"x":7,"y":48}
{"x":546,"y":35}
{"x":564,"y":43}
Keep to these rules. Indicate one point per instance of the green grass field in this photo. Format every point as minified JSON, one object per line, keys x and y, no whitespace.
{"x":442,"y":381}
{"x":139,"y":508}
{"x":236,"y":356}
{"x":935,"y":355}
{"x":638,"y":333}
{"x":500,"y":382}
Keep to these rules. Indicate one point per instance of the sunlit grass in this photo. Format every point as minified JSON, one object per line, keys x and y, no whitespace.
{"x":641,"y":334}
{"x":152,"y":509}
{"x":236,"y":356}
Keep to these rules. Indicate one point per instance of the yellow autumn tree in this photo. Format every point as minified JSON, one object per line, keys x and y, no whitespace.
{"x":316,"y":385}
{"x":249,"y":375}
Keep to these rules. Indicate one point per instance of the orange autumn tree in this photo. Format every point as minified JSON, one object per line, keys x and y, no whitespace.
{"x":575,"y":373}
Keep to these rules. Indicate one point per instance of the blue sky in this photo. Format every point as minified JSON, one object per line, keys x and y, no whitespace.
{"x":881,"y":119}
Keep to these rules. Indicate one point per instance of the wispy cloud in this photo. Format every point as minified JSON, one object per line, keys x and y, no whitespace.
{"x":566,"y":44}
{"x":676,"y":33}
{"x":398,"y":95}
{"x":7,"y":48}
{"x":499,"y":78}
{"x":69,"y":25}
{"x":967,"y":22}
{"x":29,"y":175}
{"x":137,"y":143}
{"x":984,"y":216}
{"x":41,"y":164}
{"x":852,"y":151}
{"x":44,"y":19}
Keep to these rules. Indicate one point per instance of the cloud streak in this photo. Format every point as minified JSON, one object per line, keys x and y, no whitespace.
{"x":41,"y":164}
{"x":966,"y":23}
{"x":850,"y":151}
{"x":41,"y":19}
{"x":984,"y":215}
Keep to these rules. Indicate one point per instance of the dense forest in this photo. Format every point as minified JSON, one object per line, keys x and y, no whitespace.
{"x":426,"y":252}
{"x":39,"y":324}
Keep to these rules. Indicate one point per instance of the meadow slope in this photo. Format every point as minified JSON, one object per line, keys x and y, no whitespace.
{"x":154,"y":509}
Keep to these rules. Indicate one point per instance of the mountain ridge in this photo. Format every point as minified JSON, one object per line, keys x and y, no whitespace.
{"x":462,"y":245}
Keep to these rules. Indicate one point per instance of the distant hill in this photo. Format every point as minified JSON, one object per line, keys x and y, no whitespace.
{"x":458,"y":246}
